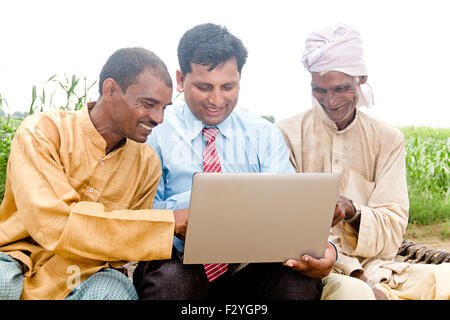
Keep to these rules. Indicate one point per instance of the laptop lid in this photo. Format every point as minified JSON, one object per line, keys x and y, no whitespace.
{"x":259,"y":217}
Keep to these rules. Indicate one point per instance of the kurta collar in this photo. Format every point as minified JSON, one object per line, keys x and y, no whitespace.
{"x":89,"y":129}
{"x":331,"y":124}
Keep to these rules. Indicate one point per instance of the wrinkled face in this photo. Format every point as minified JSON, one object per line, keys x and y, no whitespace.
{"x":337,"y":93}
{"x":141,"y":107}
{"x":211,"y":95}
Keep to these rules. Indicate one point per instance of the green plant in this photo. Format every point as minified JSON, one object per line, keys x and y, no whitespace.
{"x":8,"y":127}
{"x":428,"y":173}
{"x":73,"y":96}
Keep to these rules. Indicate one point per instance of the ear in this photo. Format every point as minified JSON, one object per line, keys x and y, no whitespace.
{"x":109,"y":88}
{"x":362,"y":79}
{"x":180,"y":81}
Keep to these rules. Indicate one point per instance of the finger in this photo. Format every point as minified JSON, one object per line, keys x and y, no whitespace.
{"x":337,"y":219}
{"x":313,"y":263}
{"x":297,"y":265}
{"x":318,"y":268}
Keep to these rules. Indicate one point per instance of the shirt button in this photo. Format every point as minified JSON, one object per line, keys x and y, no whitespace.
{"x":91,"y":190}
{"x":101,"y":163}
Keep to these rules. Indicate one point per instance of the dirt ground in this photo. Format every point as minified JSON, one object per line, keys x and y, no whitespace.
{"x":433,"y":236}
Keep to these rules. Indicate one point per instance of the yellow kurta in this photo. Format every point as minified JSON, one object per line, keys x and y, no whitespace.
{"x":69,"y":206}
{"x":370,"y":155}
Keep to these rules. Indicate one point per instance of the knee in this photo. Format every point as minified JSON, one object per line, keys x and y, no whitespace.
{"x":106,"y":284}
{"x":170,"y":279}
{"x":342,"y":287}
{"x":288,"y":284}
{"x":11,"y":279}
{"x":115,"y":286}
{"x":301,"y":287}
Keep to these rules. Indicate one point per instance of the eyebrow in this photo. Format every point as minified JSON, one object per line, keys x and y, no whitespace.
{"x":342,"y":85}
{"x":154,"y":101}
{"x":204,"y":83}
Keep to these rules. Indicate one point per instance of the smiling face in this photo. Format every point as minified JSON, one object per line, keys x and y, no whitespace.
{"x":337,"y":93}
{"x":211,"y":95}
{"x":140,"y":108}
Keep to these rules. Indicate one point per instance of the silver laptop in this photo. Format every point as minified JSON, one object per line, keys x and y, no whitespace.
{"x":259,"y":217}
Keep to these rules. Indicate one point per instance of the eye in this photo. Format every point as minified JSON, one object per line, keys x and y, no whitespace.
{"x":318,"y":90}
{"x":203,"y":87}
{"x":228,"y":87}
{"x":342,"y":89}
{"x":147,"y":104}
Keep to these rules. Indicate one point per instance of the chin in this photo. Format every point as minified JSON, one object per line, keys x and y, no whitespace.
{"x":139,"y":139}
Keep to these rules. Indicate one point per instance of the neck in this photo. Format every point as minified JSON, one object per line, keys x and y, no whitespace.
{"x":100,"y":119}
{"x":346,"y":122}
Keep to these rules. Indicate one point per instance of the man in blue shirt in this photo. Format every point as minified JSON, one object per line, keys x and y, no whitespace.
{"x":211,"y":60}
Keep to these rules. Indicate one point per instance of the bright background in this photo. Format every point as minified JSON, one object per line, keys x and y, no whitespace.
{"x":406,"y":47}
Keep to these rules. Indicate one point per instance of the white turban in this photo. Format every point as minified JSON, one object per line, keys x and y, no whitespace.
{"x":338,"y":48}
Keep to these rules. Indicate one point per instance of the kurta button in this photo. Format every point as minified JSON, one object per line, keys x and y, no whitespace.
{"x":91,"y":189}
{"x":101,"y":163}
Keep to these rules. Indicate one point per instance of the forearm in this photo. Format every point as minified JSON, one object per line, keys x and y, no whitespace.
{"x":379,"y":231}
{"x":88,"y":230}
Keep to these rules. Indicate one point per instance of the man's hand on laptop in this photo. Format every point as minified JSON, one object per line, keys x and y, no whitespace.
{"x":314,"y":268}
{"x":343,"y":209}
{"x":181,"y":218}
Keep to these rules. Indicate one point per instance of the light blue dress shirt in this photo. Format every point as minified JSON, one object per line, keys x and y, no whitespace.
{"x":245,"y":143}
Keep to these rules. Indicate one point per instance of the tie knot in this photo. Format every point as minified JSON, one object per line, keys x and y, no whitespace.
{"x":210,"y":134}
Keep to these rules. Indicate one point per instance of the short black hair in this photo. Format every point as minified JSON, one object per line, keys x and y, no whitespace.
{"x":209,"y":45}
{"x":126,"y":64}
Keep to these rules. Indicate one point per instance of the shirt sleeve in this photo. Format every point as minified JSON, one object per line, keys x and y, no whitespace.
{"x":175,"y":202}
{"x":385,"y":215}
{"x":56,"y":218}
{"x":276,"y":154}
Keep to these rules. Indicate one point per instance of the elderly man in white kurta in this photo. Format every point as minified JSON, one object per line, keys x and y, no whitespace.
{"x":335,"y":136}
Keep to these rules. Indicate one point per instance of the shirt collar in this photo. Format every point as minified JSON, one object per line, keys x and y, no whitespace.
{"x":196,"y":126}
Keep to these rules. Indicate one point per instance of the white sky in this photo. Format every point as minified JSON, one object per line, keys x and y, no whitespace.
{"x":406,"y":43}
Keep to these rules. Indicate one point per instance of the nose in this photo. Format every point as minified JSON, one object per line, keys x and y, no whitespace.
{"x":215,"y":98}
{"x":158,"y":115}
{"x":330,"y":100}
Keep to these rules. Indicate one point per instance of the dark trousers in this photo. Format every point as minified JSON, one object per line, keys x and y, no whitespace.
{"x":172,"y":280}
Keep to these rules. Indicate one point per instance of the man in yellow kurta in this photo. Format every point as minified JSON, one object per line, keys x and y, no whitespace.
{"x":334,"y":136}
{"x":80,"y":187}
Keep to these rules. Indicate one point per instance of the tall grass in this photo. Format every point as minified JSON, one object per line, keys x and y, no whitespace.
{"x":71,"y":91}
{"x":428,"y":174}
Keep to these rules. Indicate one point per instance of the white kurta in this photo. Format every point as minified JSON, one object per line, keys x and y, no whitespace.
{"x":370,"y":155}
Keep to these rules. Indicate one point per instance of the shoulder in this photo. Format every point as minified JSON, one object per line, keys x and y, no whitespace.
{"x":164,"y":133}
{"x":382,"y":130}
{"x":293,"y":124}
{"x":173,"y":118}
{"x":143,"y":155}
{"x":46,"y":125}
{"x":249,"y":121}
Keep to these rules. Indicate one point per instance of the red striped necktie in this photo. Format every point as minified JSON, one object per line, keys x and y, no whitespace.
{"x":211,"y":163}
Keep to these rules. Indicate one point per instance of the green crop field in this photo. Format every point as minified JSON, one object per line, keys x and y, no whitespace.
{"x":428,"y":174}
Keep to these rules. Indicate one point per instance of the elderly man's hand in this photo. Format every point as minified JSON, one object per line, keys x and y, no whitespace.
{"x":181,"y":219}
{"x":315,"y":268}
{"x":359,"y":274}
{"x":344,"y":210}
